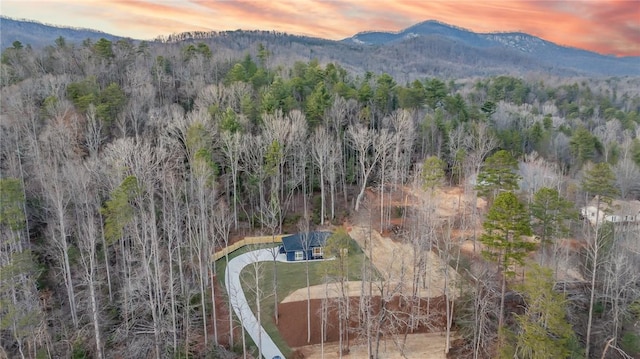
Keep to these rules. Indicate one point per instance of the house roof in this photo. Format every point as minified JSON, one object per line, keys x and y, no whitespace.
{"x":627,"y":207}
{"x":295,"y":242}
{"x":618,"y":207}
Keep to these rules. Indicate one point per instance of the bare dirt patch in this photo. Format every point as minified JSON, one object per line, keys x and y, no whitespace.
{"x":292,"y":320}
{"x":331,"y":290}
{"x":449,"y":201}
{"x":417,"y":346}
{"x":394,"y":260}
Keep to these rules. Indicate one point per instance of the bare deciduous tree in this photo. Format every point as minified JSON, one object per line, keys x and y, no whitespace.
{"x":370,"y":145}
{"x":270,"y":217}
{"x":320,"y":151}
{"x":88,"y":239}
{"x":222,"y":225}
{"x":231,"y":144}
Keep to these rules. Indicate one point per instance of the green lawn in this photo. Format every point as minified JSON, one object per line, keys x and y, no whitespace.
{"x":291,"y":276}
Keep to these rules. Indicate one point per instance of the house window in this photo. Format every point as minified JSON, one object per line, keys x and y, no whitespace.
{"x":317,"y":252}
{"x":299,"y":256}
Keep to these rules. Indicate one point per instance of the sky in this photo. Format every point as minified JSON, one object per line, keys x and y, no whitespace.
{"x":606,"y":26}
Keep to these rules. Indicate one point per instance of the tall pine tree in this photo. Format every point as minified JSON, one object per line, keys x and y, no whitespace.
{"x":498,"y":174}
{"x":507,"y":221}
{"x":542,"y":330}
{"x":550,"y":212}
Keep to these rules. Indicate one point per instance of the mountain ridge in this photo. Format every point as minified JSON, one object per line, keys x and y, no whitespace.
{"x":444,"y":28}
{"x":546,"y":51}
{"x":420,"y":49}
{"x":38,"y":34}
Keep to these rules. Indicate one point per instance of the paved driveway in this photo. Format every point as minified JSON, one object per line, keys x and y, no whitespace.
{"x":239,"y":300}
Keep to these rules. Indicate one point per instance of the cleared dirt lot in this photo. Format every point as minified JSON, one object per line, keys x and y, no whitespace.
{"x":394,"y":260}
{"x":417,"y":346}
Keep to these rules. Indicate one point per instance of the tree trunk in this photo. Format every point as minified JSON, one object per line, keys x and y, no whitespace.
{"x":94,"y":312}
{"x":593,"y":280}
{"x":382,"y":195}
{"x":173,"y":296}
{"x":275,"y":285}
{"x":202,"y":281}
{"x":258,"y":311}
{"x":229,"y":307}
{"x":332,"y":186}
{"x":64,"y":248}
{"x":106,"y":258}
{"x":322,"y":205}
{"x":361,"y":193}
{"x":502,"y":294}
{"x":214,"y":319}
{"x":235,"y":197}
{"x":308,"y":302}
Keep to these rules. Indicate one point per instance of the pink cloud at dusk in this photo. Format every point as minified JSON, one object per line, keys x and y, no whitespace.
{"x":605,"y":26}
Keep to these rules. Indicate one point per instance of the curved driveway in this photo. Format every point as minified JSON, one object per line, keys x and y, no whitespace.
{"x":239,"y":300}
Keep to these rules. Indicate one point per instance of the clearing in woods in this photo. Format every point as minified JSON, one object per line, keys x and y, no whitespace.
{"x":393,"y":259}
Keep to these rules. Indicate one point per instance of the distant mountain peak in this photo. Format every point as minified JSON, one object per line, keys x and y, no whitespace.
{"x":437,"y":23}
{"x":517,"y":40}
{"x":425,"y":28}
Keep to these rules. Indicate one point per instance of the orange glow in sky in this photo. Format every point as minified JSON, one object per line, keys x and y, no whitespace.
{"x":604,"y":26}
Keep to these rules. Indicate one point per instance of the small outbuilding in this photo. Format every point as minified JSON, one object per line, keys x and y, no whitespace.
{"x":303,"y":246}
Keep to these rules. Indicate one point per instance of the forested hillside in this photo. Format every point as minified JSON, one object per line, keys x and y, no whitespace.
{"x":125,"y":166}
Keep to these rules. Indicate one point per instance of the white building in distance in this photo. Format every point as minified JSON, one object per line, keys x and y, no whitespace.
{"x":618,"y":212}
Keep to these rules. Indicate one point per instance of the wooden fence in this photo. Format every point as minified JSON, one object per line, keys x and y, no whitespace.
{"x":248,"y":241}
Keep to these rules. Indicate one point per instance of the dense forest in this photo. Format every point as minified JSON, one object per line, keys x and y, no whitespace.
{"x":125,"y":165}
